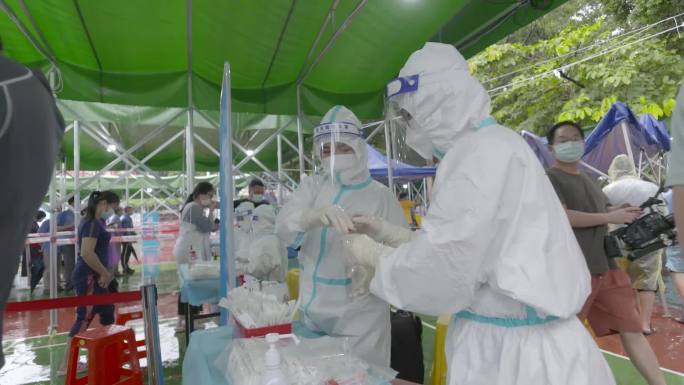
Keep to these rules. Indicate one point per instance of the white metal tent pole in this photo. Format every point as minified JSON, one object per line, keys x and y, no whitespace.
{"x":124,"y":154}
{"x":52,"y":265}
{"x":126,"y":182}
{"x":226,"y":192}
{"x":62,"y":185}
{"x":77,"y":185}
{"x":128,"y":159}
{"x":374,"y":132}
{"x":300,"y":135}
{"x":295,"y":148}
{"x":189,"y":140}
{"x":149,"y":156}
{"x":260,"y":147}
{"x":280,"y":169}
{"x":625,"y":135}
{"x":189,"y":154}
{"x":388,"y":154}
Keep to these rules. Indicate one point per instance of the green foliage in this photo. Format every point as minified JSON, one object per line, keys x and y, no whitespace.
{"x":528,"y":96}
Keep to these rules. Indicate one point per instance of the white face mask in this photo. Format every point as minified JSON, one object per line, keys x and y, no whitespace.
{"x":205,"y":202}
{"x":257,"y":198}
{"x":108,"y":213}
{"x":342,"y":163}
{"x":569,"y":152}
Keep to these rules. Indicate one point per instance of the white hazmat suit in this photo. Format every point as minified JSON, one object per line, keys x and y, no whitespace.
{"x":497,"y":248}
{"x":314,"y":217}
{"x":262,"y":254}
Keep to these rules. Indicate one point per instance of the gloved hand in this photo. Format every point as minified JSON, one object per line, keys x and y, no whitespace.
{"x":333,"y":216}
{"x":364,"y":250}
{"x":382,"y":231}
{"x":361,"y":277}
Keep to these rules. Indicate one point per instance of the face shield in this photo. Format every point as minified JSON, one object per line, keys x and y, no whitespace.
{"x":338,"y":152}
{"x":408,"y":144}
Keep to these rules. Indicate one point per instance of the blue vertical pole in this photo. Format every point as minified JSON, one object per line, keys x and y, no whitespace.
{"x":226,"y":192}
{"x":155,"y":369}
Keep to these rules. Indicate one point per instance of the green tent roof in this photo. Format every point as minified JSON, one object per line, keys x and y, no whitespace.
{"x":136,"y":52}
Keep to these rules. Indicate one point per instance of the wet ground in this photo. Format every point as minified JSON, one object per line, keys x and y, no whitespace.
{"x":33,"y":356}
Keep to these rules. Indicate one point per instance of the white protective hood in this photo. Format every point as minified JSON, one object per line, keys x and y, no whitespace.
{"x":449,"y":102}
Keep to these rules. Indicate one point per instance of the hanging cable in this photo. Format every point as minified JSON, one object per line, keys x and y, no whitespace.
{"x":623,"y":36}
{"x":503,"y":88}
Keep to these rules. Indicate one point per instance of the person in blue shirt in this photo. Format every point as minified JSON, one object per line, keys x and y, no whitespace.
{"x":67,"y":253}
{"x":126,"y":222}
{"x":91,"y":274}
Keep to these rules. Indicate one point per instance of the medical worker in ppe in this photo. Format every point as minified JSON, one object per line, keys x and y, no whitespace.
{"x":243,"y":230}
{"x":497,"y":250}
{"x":265,"y":255}
{"x":317,"y":216}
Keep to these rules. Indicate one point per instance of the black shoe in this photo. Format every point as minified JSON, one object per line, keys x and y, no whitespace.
{"x":129,"y":271}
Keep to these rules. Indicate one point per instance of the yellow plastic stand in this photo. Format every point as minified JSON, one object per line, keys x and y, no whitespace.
{"x":439,"y":363}
{"x":293,"y":283}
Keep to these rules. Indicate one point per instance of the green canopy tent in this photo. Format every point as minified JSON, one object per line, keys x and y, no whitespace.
{"x":169,"y":54}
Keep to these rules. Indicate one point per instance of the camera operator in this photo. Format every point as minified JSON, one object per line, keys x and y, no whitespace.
{"x":626,"y":189}
{"x":611,"y":306}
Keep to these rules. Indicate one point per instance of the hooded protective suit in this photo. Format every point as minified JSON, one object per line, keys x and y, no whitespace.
{"x":497,"y":248}
{"x":243,"y":233}
{"x":327,"y":303}
{"x":625,"y":186}
{"x":264,"y":255}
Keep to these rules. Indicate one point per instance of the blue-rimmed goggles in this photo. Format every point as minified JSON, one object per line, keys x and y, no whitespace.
{"x":402,"y":85}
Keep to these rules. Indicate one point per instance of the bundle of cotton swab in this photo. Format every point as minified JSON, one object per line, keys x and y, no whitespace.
{"x":256,"y":309}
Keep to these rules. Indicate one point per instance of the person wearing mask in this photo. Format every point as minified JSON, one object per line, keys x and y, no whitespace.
{"x":625,"y":190}
{"x":193,"y":238}
{"x":496,"y":249}
{"x":611,"y":306}
{"x":317,"y":216}
{"x":256,"y":197}
{"x":127,"y":248}
{"x":67,"y":253}
{"x":91,"y":274}
{"x":264,"y":256}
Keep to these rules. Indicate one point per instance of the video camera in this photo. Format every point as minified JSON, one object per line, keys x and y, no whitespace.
{"x":650,"y":232}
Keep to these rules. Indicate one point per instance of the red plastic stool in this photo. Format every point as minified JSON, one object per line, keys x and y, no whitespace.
{"x":130,"y":313}
{"x":111,"y":357}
